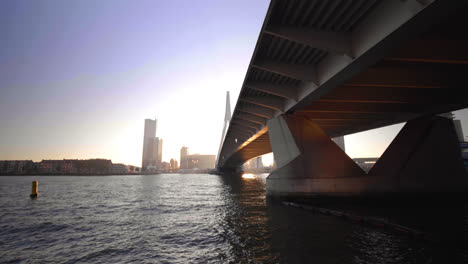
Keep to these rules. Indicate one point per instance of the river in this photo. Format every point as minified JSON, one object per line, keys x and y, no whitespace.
{"x":201,"y":218}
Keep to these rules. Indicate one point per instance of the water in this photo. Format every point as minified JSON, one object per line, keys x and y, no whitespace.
{"x":199,"y":218}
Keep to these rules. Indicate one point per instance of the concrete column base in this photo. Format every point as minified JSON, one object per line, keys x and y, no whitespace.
{"x":308,"y":161}
{"x":424,"y":158}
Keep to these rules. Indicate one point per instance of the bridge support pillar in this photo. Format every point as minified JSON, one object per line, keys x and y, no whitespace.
{"x":308,"y":161}
{"x":424,"y":158}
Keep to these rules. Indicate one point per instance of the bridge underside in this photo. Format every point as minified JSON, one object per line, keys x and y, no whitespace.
{"x":259,"y":145}
{"x":416,"y":70}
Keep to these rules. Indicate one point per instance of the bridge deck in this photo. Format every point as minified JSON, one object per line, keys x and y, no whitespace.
{"x":350,"y":66}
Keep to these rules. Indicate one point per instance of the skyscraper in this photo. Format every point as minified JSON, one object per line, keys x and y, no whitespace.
{"x":159,"y":152}
{"x":152,"y":146}
{"x":183,"y":157}
{"x":174,"y":164}
{"x":258,"y":163}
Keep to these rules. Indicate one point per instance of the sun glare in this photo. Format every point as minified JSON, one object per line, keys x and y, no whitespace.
{"x":248,"y":176}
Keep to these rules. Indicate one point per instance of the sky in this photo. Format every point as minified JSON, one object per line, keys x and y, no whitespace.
{"x":78,"y":77}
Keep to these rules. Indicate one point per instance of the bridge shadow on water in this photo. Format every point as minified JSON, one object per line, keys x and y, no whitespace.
{"x":268,"y":231}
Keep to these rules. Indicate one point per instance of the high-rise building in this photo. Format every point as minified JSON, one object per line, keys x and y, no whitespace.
{"x":174,"y":164}
{"x":159,"y":154}
{"x":152,"y":146}
{"x":258,"y":163}
{"x":183,"y":157}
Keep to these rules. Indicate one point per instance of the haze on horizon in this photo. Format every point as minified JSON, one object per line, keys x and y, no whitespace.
{"x":78,"y":78}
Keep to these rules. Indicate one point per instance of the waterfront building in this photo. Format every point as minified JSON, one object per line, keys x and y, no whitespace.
{"x":51,"y":166}
{"x":151,"y":168}
{"x":256,"y":163}
{"x":159,"y":151}
{"x":183,"y":157}
{"x":68,"y":166}
{"x":174,"y":164}
{"x":165,"y":166}
{"x":197,"y":161}
{"x":65,"y":167}
{"x":133,"y":169}
{"x":152,"y":146}
{"x":119,"y":168}
{"x":16,"y":166}
{"x":91,"y":166}
{"x":94,"y":166}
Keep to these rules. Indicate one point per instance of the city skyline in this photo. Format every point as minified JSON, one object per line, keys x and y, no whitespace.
{"x":78,"y":77}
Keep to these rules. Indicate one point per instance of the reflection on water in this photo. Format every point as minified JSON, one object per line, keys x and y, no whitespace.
{"x":248,"y":176}
{"x":291,"y":235}
{"x":202,"y":219}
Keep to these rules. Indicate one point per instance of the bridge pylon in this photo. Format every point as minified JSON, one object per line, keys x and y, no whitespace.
{"x":227,"y":118}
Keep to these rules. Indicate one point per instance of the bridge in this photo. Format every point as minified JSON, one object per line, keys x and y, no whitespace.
{"x":325,"y":69}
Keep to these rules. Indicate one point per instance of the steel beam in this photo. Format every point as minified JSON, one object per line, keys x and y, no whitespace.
{"x":450,"y":51}
{"x":295,"y":71}
{"x":344,"y":115}
{"x":336,"y":42}
{"x":257,"y":110}
{"x":389,"y":24}
{"x":285,"y":91}
{"x":364,"y":107}
{"x":252,"y":118}
{"x":270,"y":102}
{"x":347,"y":93}
{"x":246,"y":123}
{"x":242,"y":128}
{"x":236,"y":131}
{"x":410,"y":76}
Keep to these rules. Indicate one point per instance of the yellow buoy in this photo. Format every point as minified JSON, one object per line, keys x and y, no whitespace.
{"x":35,"y":189}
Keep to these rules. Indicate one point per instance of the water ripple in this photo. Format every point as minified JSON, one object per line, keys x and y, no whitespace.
{"x":182,"y":219}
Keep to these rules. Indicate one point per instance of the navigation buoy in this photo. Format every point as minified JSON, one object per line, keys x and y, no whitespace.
{"x":35,"y":189}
